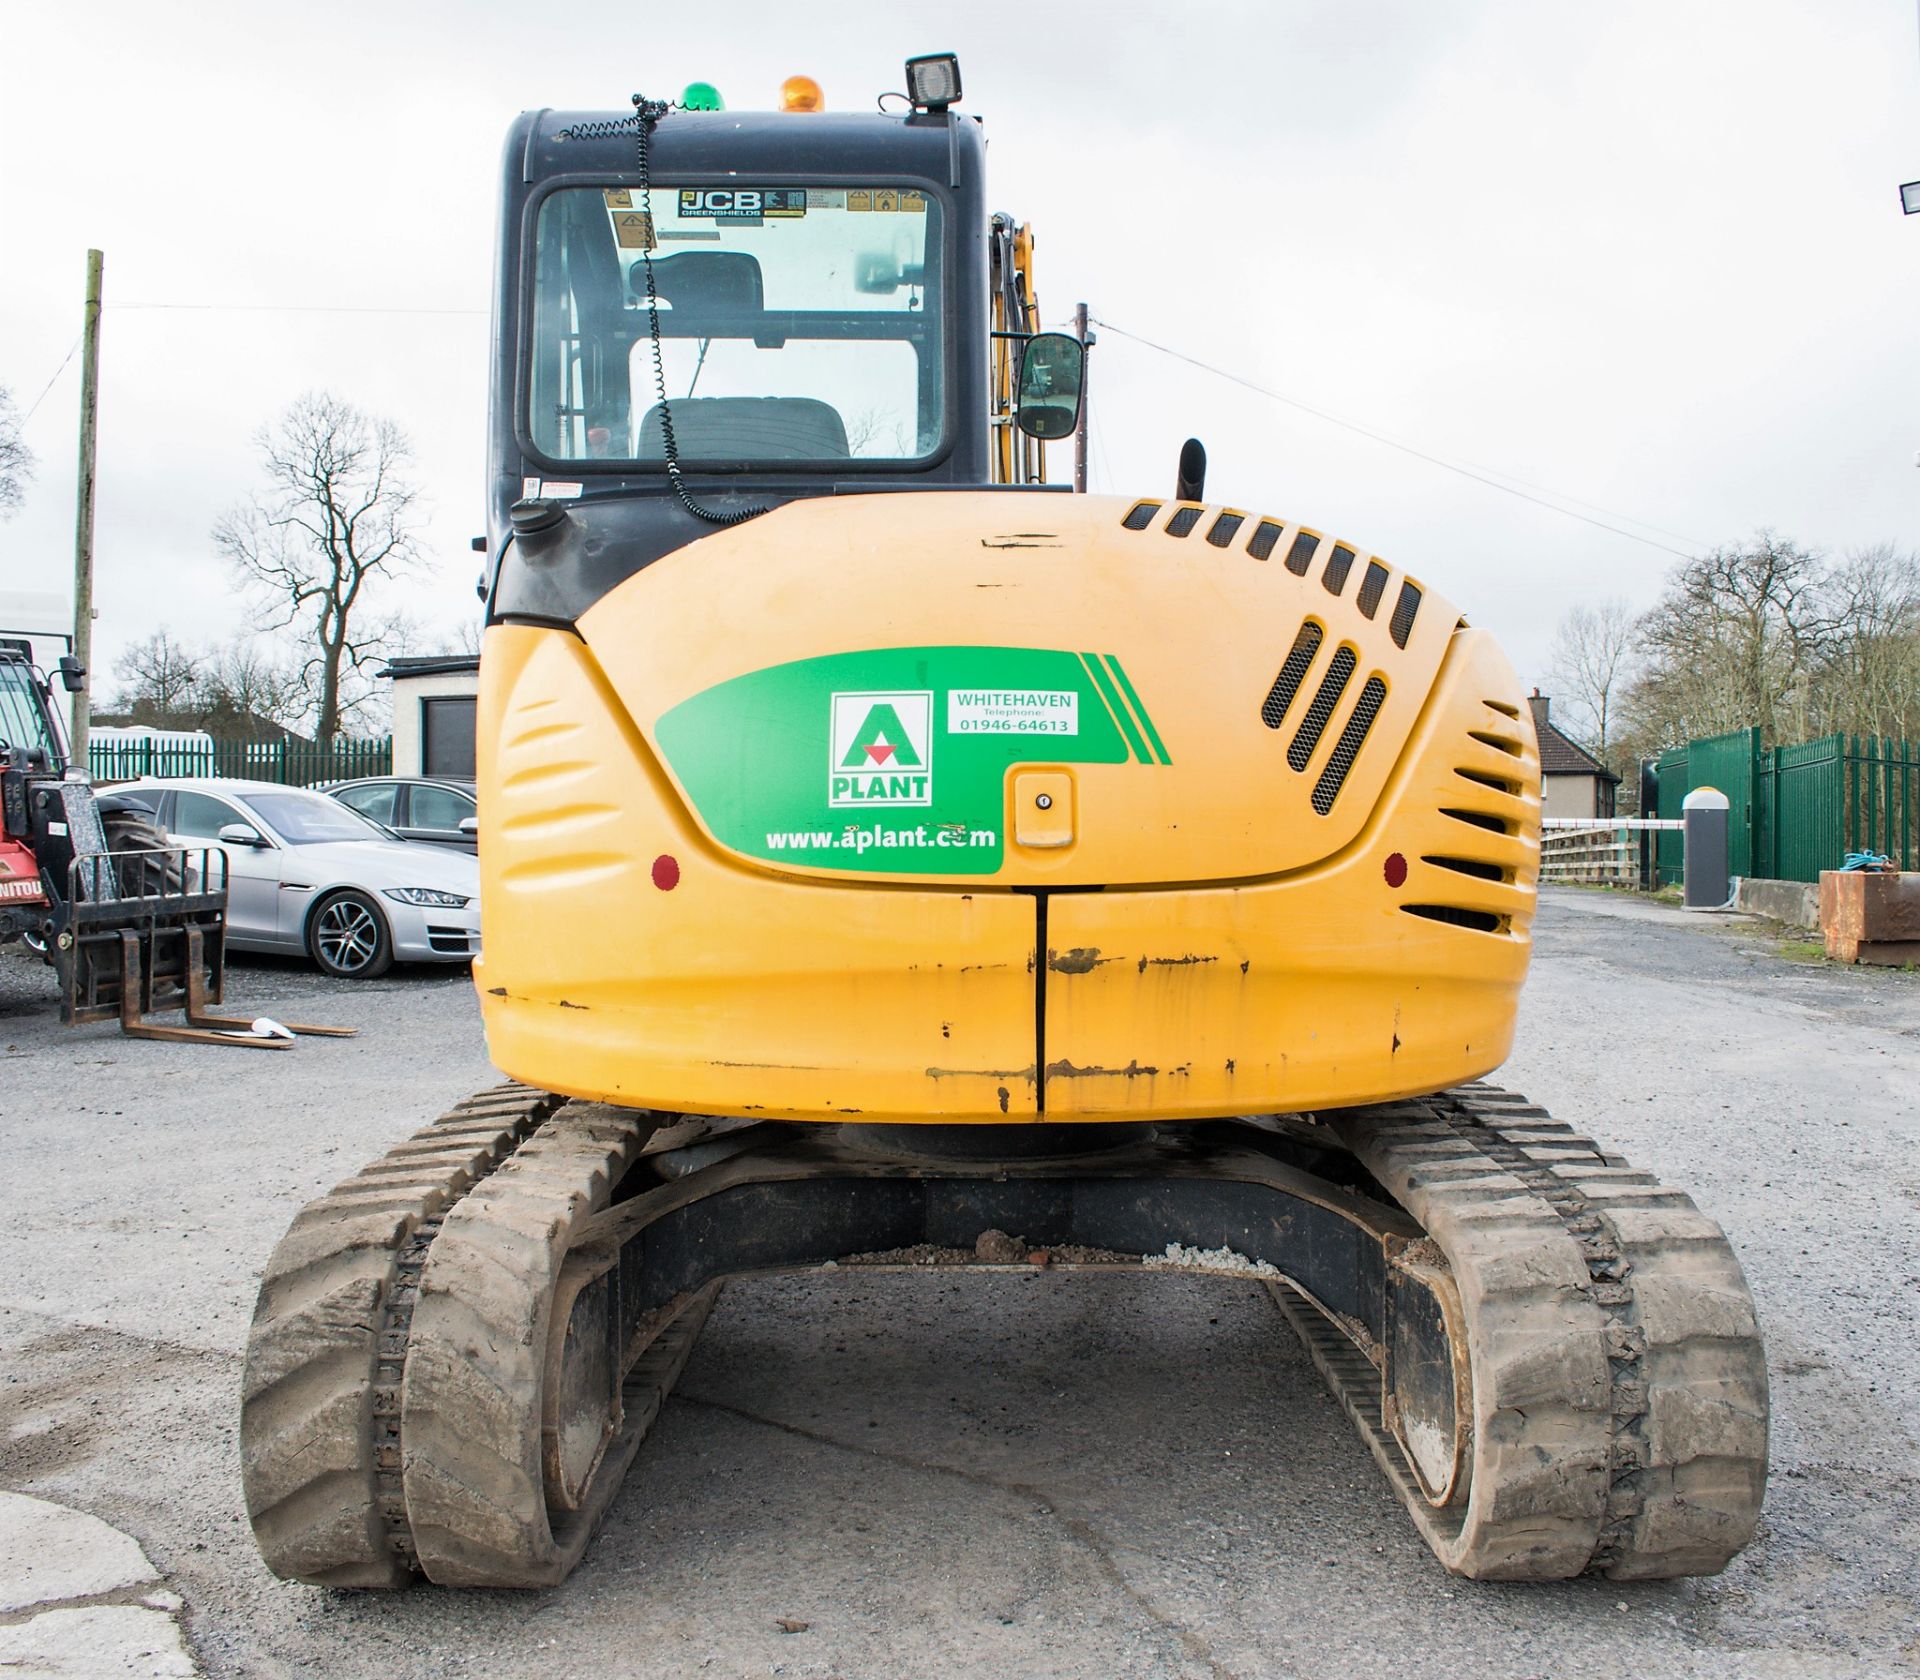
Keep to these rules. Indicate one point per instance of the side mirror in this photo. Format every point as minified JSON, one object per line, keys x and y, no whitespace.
{"x":1047,"y":396}
{"x":73,"y":675}
{"x":469,"y":825}
{"x":241,"y":834}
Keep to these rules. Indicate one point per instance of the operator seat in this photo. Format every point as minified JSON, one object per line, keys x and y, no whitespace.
{"x":748,"y":429}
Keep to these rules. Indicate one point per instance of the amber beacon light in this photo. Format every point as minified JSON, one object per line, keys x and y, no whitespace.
{"x":801,"y":93}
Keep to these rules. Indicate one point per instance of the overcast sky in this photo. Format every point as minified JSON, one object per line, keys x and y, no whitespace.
{"x":1644,"y":256}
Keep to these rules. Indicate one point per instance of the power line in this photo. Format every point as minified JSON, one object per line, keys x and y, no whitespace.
{"x":1480,"y":476}
{"x":62,"y":368}
{"x":300,"y":308}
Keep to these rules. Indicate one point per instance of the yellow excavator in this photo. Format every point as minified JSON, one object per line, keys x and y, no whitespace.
{"x":892,"y":858}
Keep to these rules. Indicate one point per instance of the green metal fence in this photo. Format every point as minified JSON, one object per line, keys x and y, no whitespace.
{"x":1880,"y":790}
{"x":1794,"y":811}
{"x":297,"y":763}
{"x":1672,"y":784}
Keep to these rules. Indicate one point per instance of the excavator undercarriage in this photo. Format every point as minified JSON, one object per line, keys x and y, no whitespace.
{"x":458,"y":1351}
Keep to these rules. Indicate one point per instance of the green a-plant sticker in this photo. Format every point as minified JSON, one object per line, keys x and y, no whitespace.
{"x":895,"y":760}
{"x":882,"y":752}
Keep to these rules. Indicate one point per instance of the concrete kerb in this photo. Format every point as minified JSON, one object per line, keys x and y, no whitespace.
{"x":1796,"y":903}
{"x":79,"y":1598}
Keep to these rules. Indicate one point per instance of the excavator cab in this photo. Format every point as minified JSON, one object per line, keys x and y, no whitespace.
{"x":888,"y":854}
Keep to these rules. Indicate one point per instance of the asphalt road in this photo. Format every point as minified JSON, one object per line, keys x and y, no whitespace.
{"x":1092,"y":1477}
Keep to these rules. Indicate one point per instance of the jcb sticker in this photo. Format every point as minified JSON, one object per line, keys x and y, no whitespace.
{"x":743,"y":204}
{"x":882,"y":749}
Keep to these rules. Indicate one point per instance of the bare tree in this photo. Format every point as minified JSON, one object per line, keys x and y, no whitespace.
{"x":158,"y":678}
{"x":16,"y":459}
{"x":1593,"y":656}
{"x":241,"y":690}
{"x":877,"y":425}
{"x":1870,"y":680}
{"x":245,"y":685}
{"x":337,"y":516}
{"x":1738,"y":639}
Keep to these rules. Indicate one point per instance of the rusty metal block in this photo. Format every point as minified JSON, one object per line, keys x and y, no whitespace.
{"x":1870,"y":918}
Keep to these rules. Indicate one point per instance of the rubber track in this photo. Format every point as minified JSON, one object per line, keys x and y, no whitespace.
{"x":320,"y":1447}
{"x":1620,"y":1385}
{"x":472,"y":1396}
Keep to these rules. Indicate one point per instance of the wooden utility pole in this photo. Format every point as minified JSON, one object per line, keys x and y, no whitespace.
{"x":83,"y":522}
{"x":1080,"y":427}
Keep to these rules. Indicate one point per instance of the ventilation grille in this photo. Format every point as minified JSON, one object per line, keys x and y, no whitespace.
{"x":1335,"y":576}
{"x":1265,"y":538}
{"x":1279,"y":700}
{"x":1491,"y":787}
{"x":1372,"y":587}
{"x":1482,"y":921}
{"x":1478,"y":868}
{"x":1507,"y":744}
{"x":1497,"y":783}
{"x":1404,"y":611}
{"x":1314,"y":724}
{"x":1479,"y":819}
{"x":1347,"y":748}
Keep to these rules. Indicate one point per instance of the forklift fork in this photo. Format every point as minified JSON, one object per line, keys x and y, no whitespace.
{"x":201,"y":1027}
{"x":146,"y":931}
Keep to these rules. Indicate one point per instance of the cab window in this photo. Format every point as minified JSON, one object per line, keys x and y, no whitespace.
{"x":798,"y":324}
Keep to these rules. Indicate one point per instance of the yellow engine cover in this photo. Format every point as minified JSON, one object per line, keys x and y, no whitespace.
{"x":968,"y":806}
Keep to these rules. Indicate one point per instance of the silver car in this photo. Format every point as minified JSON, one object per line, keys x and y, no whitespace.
{"x":308,"y":874}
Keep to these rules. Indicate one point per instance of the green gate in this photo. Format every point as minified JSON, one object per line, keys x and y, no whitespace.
{"x":1794,"y":811}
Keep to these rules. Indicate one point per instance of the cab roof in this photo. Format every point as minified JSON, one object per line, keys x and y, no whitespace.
{"x":736,"y":143}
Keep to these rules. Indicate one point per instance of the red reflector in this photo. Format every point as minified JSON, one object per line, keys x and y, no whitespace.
{"x":666,"y":873}
{"x":1395,"y":870}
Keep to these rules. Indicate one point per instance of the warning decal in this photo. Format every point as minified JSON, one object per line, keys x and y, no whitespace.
{"x":886,"y":198}
{"x":633,"y":231}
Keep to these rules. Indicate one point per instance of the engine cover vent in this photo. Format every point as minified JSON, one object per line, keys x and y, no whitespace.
{"x":1286,"y":686}
{"x":1314,"y":724}
{"x":1347,"y":748}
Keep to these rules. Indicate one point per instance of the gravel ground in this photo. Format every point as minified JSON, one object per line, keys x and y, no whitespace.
{"x":1025,"y":1476}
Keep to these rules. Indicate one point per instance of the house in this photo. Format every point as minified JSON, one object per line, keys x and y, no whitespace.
{"x":433,"y":714}
{"x":1573,"y":783}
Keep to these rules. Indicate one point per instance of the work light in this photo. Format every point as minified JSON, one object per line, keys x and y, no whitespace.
{"x":933,"y":82}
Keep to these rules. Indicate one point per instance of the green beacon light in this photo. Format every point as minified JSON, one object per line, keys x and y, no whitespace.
{"x":702,"y":96}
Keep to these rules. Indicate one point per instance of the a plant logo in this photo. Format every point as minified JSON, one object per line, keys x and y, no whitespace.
{"x":882,"y":749}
